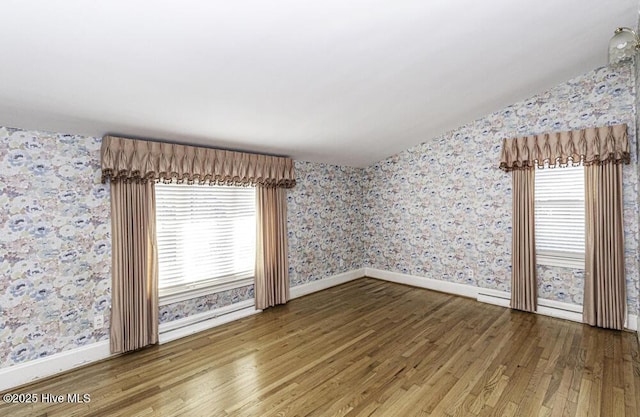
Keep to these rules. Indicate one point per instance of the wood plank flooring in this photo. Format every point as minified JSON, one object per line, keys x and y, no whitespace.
{"x":366,"y":348}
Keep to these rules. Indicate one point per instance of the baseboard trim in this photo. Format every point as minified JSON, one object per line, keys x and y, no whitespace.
{"x":463,"y":290}
{"x":199,"y":322}
{"x":323,"y":284}
{"x":551,"y":308}
{"x":187,"y":326}
{"x":24,"y":373}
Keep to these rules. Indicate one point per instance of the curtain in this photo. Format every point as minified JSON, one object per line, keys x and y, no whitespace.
{"x":524,"y":287}
{"x":593,"y":146}
{"x":604,"y":294}
{"x":134,"y":159}
{"x":602,"y":150}
{"x":134,"y":291}
{"x":133,"y":166}
{"x":272,"y":269}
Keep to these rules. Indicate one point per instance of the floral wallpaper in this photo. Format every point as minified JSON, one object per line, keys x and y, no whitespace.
{"x":442,"y":209}
{"x":55,"y":247}
{"x":560,"y":284}
{"x":324,"y":232}
{"x":55,"y":244}
{"x":636,"y":86}
{"x":208,"y":302}
{"x":325,"y":221}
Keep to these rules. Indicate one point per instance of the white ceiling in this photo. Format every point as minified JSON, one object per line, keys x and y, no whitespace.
{"x":346,"y":82}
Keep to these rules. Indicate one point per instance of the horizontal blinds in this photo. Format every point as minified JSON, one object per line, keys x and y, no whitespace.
{"x":205,"y":233}
{"x":559,"y":211}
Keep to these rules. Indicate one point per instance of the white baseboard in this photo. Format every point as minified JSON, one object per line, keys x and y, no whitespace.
{"x":423,"y":282}
{"x":202,"y":321}
{"x":551,"y":308}
{"x":207,"y":320}
{"x":24,"y":373}
{"x":546,"y":307}
{"x":323,"y":284}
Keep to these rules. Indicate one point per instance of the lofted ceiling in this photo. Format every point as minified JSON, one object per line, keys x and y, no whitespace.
{"x":346,"y":82}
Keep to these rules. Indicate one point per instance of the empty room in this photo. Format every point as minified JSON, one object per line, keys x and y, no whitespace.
{"x":336,"y":208}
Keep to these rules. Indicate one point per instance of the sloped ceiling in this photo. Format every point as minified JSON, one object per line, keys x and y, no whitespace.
{"x":346,"y":82}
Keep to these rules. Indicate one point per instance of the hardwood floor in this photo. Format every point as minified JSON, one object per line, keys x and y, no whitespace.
{"x":366,"y":348}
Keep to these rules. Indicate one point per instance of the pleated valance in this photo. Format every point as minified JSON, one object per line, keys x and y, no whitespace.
{"x":598,"y":145}
{"x":124,"y":159}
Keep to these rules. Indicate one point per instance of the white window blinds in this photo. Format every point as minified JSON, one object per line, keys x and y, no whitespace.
{"x":560,"y":216}
{"x":206,"y":234}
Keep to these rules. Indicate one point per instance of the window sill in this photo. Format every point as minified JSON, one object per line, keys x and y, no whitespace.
{"x":177,"y":295}
{"x":564,"y":262}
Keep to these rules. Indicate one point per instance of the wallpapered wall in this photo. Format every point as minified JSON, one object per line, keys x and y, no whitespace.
{"x":637,"y":152}
{"x":55,"y":245}
{"x":439,"y":209}
{"x":325,"y":222}
{"x":182,"y":309}
{"x":444,"y":207}
{"x":324,"y":232}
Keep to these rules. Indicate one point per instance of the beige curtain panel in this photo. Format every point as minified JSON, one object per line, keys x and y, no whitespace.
{"x":524,"y":286}
{"x":272,"y":264}
{"x":602,"y":150}
{"x":604,"y":293}
{"x":139,"y":160}
{"x":134,"y":287}
{"x":590,"y":146}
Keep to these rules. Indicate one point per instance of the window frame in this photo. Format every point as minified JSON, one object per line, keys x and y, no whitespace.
{"x":565,"y":259}
{"x":187,"y":291}
{"x":559,"y":258}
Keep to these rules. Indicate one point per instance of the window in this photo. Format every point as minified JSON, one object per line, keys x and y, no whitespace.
{"x":206,"y":238}
{"x":559,"y":216}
